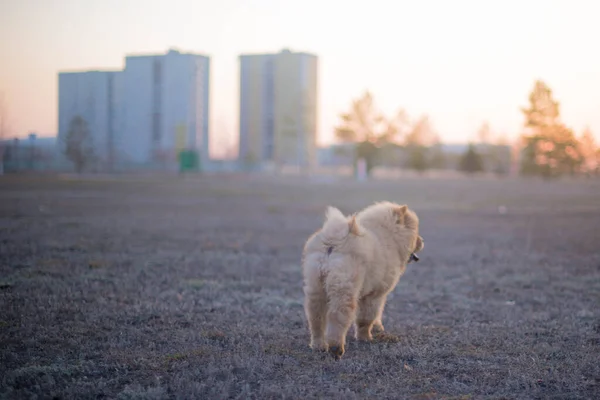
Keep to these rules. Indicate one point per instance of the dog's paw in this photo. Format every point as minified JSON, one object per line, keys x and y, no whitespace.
{"x":378,"y":327}
{"x":337,"y":351}
{"x":364,"y":337}
{"x":318,"y":345}
{"x":364,"y":332}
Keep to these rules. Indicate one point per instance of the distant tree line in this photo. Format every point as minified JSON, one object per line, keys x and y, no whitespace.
{"x":399,"y":141}
{"x":548,"y":148}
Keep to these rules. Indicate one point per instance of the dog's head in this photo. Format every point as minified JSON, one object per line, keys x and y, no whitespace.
{"x":405,"y":217}
{"x":418,"y":247}
{"x":408,"y":222}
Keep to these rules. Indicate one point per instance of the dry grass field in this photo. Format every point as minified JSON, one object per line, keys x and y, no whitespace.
{"x":190,"y":287}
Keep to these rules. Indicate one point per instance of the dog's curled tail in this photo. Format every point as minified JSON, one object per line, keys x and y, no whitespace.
{"x":337,"y":227}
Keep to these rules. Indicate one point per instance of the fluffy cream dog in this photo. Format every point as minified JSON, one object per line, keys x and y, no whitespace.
{"x":350,"y":265}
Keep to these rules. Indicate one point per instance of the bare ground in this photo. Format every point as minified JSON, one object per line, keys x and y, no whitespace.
{"x":136,"y":288}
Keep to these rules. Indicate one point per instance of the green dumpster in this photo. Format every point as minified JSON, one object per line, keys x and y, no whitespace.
{"x":188,"y":161}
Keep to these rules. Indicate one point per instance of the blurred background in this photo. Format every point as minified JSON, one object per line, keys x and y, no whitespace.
{"x":502,"y":88}
{"x":164,"y":162}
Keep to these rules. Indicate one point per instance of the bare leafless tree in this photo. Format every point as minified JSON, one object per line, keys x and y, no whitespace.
{"x":4,"y":128}
{"x":4,"y":117}
{"x":78,"y":147}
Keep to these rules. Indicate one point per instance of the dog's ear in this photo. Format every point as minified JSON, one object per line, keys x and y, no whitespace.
{"x":420,"y":244}
{"x":353,"y":226}
{"x":399,"y":213}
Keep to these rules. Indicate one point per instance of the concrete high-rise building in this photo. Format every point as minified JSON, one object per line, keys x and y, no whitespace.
{"x":144,"y":115}
{"x":166,"y":102}
{"x":278,"y":108}
{"x":95,"y":97}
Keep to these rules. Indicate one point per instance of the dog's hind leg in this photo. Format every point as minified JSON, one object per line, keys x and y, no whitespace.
{"x":378,"y":324}
{"x":370,"y":309}
{"x":342,"y":294}
{"x":315,"y":307}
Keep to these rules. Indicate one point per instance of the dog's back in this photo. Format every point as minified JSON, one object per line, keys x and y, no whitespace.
{"x":331,"y":254}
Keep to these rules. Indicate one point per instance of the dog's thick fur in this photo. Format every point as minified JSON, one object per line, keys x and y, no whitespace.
{"x":350,"y":265}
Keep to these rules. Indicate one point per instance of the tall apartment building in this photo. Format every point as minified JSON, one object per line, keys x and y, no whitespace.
{"x":145,"y":114}
{"x":166,"y":102}
{"x":94,"y":96}
{"x":278,"y":108}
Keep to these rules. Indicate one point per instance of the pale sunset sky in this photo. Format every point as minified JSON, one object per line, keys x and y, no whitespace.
{"x":462,"y":62}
